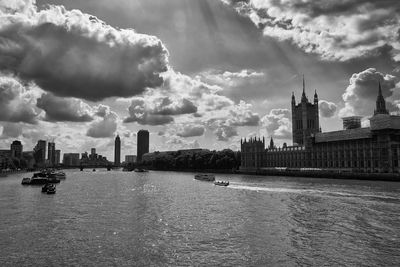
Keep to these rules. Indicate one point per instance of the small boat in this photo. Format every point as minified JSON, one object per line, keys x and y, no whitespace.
{"x":94,"y":170}
{"x":221,"y":183}
{"x":205,"y":177}
{"x":51,"y":189}
{"x":45,"y":187}
{"x":26,"y":180}
{"x":60,"y":175}
{"x":140,"y":170}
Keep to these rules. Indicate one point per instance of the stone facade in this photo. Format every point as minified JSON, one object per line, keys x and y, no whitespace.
{"x":375,"y":149}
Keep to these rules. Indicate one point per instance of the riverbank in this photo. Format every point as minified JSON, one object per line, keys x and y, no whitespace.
{"x":326,"y":174}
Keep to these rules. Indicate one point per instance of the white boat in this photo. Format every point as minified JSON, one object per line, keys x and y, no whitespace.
{"x":26,"y":180}
{"x":205,"y":177}
{"x":221,"y":183}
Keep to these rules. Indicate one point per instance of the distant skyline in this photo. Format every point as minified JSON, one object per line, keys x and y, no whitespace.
{"x":198,"y":73}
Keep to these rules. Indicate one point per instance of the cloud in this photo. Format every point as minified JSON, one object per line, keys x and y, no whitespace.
{"x":139,"y":112}
{"x":17,"y":101}
{"x":73,"y":54}
{"x":103,"y":128}
{"x":336,"y":30}
{"x":278,"y":124}
{"x":64,"y":109}
{"x":102,"y":110}
{"x":11,"y":130}
{"x":242,"y":115}
{"x":243,"y":85}
{"x":178,"y":143}
{"x":327,"y":109}
{"x":168,"y":107}
{"x":225,"y":132}
{"x":191,"y":130}
{"x":360,"y":95}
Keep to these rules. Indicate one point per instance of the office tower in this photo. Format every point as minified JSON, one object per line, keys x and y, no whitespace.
{"x":142,"y":144}
{"x":117,"y":151}
{"x":40,"y":153}
{"x":16,"y":149}
{"x":51,"y":153}
{"x":57,"y":158}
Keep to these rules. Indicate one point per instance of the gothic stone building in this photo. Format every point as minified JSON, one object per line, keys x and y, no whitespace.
{"x":353,"y":149}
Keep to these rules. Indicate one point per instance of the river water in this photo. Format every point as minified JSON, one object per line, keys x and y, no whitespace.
{"x":166,"y":218}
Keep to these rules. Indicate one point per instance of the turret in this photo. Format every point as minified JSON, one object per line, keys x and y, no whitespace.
{"x":293,"y":100}
{"x":271,"y":143}
{"x":315,"y":97}
{"x":380,"y":102}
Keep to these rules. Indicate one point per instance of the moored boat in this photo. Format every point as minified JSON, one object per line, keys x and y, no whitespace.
{"x":221,"y":183}
{"x":140,"y":170}
{"x":60,"y":175}
{"x":51,"y":189}
{"x":26,"y":181}
{"x":45,"y":187}
{"x":39,"y":180}
{"x":205,"y":177}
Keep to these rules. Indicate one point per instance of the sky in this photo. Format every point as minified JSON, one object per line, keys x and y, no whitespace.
{"x":195,"y":73}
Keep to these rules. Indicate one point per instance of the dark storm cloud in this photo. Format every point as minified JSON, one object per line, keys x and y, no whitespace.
{"x":64,"y":109}
{"x":16,"y":102}
{"x":73,"y":54}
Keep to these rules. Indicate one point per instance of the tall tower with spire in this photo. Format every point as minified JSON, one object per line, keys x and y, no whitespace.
{"x":380,"y":102}
{"x":305,"y":117}
{"x":117,"y":151}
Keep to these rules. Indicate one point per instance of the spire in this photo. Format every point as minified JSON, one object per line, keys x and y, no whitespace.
{"x":303,"y":96}
{"x":380,"y":102}
{"x":315,"y":97}
{"x":271,"y":143}
{"x":293,"y":99}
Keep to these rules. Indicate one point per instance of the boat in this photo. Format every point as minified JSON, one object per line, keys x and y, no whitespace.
{"x":39,"y":180}
{"x":45,"y":187}
{"x":140,"y":170}
{"x":94,"y":170}
{"x":26,"y":180}
{"x":221,"y":183}
{"x":51,"y":189}
{"x":205,"y":177}
{"x":60,"y":175}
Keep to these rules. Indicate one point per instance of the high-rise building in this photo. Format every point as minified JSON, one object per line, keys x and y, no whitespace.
{"x":40,"y":153}
{"x":58,"y":157}
{"x":117,"y":151}
{"x":51,"y":153}
{"x":71,"y":159}
{"x":16,"y":149}
{"x":142,"y":144}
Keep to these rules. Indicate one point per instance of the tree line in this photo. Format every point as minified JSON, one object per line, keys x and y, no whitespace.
{"x":193,"y":160}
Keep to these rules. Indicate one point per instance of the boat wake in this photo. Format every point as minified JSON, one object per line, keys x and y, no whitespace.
{"x":316,"y":192}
